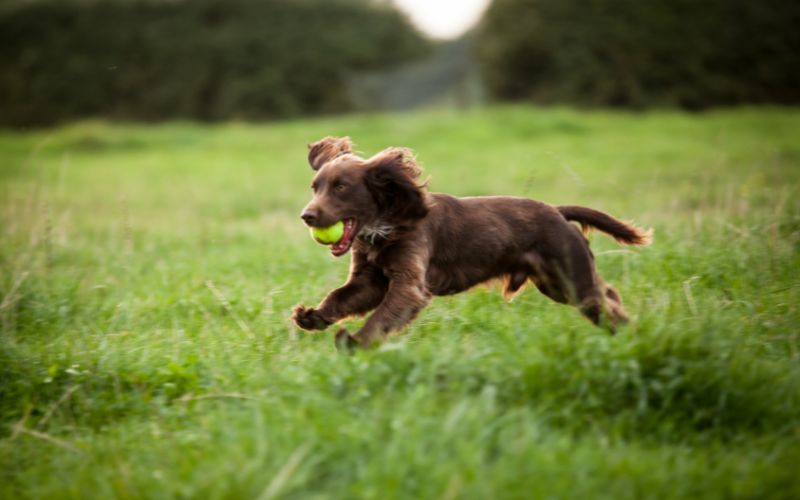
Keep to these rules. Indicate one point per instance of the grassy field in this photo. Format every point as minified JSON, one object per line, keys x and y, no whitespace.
{"x":147,"y":275}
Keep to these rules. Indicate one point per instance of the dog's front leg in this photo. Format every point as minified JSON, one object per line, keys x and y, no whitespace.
{"x":364,"y":290}
{"x":402,"y":303}
{"x":406,"y":296}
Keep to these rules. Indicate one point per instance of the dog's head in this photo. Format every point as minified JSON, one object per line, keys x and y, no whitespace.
{"x":364,"y":193}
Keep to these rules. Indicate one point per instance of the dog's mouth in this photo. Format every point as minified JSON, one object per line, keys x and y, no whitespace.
{"x":346,"y":241}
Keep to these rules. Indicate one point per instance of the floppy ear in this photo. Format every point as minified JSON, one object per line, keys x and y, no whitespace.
{"x":392,"y":178}
{"x":326,"y":149}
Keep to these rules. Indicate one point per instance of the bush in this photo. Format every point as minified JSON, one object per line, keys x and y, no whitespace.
{"x":630,"y":53}
{"x":198,"y":59}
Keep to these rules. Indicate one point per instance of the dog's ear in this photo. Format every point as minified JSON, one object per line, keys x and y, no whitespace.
{"x":326,"y":149}
{"x":392,"y":177}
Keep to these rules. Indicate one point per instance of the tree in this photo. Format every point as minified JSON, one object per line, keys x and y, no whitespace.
{"x":689,"y":53}
{"x":196,"y":59}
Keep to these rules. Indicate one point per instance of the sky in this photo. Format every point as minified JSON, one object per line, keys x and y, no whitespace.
{"x":444,"y":19}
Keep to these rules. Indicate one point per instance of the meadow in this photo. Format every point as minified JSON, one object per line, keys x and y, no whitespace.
{"x":147,"y":275}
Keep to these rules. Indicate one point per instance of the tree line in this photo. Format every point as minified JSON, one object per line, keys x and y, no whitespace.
{"x":263,"y":59}
{"x":642,"y":53}
{"x":193,"y":59}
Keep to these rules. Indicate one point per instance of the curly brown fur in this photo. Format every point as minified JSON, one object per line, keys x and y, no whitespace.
{"x":409,"y":244}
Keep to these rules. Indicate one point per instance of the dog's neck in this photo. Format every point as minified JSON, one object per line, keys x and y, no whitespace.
{"x":375,"y":232}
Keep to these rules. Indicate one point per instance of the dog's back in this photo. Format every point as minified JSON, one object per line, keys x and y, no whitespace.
{"x":476,"y":239}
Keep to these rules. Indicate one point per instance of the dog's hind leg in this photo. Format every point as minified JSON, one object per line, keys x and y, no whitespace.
{"x":613,"y":304}
{"x":570,"y":277}
{"x":603,"y":306}
{"x":544,"y":277}
{"x":514,"y":282}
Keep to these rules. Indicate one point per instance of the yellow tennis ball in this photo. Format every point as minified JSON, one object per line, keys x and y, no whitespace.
{"x":328,"y":235}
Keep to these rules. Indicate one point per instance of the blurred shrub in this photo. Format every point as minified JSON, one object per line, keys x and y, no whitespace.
{"x":634,"y":53}
{"x":195,"y":59}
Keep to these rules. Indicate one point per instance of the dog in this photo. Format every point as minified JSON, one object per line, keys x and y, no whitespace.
{"x":409,"y":244}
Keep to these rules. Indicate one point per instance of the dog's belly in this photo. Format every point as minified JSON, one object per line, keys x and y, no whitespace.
{"x":455,"y":280}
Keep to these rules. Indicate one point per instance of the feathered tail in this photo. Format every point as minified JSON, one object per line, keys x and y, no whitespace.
{"x":621,"y":231}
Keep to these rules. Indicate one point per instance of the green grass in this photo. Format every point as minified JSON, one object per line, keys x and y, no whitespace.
{"x":147,"y":274}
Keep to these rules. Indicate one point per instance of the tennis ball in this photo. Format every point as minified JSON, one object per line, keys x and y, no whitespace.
{"x":328,"y":235}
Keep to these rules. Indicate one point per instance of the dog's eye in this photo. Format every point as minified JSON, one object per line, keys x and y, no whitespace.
{"x":340,"y":188}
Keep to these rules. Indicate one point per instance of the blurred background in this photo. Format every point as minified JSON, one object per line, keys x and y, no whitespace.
{"x":152,"y":173}
{"x":214,"y":60}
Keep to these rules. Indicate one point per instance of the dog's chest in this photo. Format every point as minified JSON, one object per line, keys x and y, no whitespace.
{"x":375,"y":233}
{"x":373,"y":240}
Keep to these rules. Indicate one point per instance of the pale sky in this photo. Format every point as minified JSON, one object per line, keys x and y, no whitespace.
{"x":443,"y":18}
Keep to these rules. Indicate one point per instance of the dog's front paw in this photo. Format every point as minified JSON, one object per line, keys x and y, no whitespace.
{"x":309,"y":318}
{"x":345,"y":342}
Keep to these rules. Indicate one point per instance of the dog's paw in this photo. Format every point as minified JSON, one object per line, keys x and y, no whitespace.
{"x":308,"y":318}
{"x":345,"y":343}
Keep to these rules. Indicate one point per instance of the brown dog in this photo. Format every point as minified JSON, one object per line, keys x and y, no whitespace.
{"x":409,"y":244}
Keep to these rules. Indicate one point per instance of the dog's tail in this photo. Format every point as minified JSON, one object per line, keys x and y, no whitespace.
{"x":621,"y":231}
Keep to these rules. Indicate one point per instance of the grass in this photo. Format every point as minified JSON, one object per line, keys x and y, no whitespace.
{"x":147,"y":274}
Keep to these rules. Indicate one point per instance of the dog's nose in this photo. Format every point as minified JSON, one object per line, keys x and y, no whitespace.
{"x":308,"y":217}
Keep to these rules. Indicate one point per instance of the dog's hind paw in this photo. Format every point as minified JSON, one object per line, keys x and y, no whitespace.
{"x":309,"y":318}
{"x":345,"y":343}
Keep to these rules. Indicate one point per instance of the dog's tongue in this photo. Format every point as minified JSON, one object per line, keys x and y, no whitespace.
{"x":341,"y":246}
